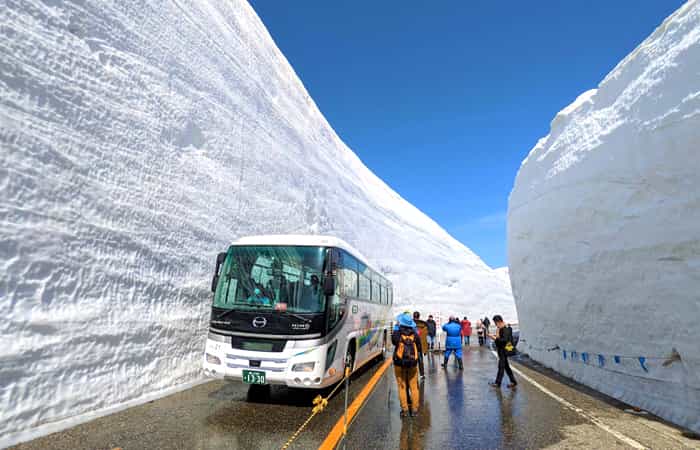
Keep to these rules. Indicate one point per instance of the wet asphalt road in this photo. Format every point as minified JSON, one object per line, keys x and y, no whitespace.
{"x":214,"y":415}
{"x":461,"y":411}
{"x":458,"y":411}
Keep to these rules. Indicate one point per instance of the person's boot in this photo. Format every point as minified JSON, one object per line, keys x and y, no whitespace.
{"x":461,"y":365}
{"x":444,"y":365}
{"x":403,"y":414}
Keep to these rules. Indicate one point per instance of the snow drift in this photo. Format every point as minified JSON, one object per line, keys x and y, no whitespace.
{"x":604,"y":230}
{"x":138,"y":140}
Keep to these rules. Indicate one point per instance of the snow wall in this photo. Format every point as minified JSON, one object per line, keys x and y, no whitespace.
{"x":604,"y":230}
{"x":138,"y":140}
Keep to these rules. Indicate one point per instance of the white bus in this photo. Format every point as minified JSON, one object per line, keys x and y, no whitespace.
{"x":293,"y":310}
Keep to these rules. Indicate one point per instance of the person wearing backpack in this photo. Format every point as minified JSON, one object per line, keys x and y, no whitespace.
{"x":453,"y":342}
{"x":407,"y":348}
{"x":504,"y":346}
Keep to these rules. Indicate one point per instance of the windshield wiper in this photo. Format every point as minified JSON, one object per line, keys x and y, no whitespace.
{"x":251,"y":305}
{"x":221,"y":316}
{"x":302,"y":318}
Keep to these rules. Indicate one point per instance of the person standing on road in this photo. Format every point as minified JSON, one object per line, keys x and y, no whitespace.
{"x":466,"y":330}
{"x":432,"y":329}
{"x":480,"y":332}
{"x":407,"y":347}
{"x":503,"y":336}
{"x":487,"y":323}
{"x":453,"y":342}
{"x":423,"y":334}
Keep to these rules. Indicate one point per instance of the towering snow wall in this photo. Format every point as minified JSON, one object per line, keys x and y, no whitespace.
{"x":604,"y":230}
{"x":139,"y":139}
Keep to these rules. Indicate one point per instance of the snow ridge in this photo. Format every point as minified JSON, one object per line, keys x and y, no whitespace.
{"x":138,"y":140}
{"x":603,"y":221}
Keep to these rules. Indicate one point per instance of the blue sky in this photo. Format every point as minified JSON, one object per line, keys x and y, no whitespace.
{"x":444,"y":99}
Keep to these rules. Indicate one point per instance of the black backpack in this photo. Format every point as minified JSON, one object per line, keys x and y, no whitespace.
{"x":406,"y":351}
{"x":510,"y":345}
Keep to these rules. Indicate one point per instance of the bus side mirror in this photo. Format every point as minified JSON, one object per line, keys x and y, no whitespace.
{"x":329,"y":286}
{"x":220,"y":258}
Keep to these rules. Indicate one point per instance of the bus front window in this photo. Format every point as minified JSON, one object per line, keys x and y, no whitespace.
{"x":281,"y":278}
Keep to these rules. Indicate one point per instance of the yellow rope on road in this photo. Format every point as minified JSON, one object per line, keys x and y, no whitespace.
{"x":300,"y":429}
{"x":319,"y":405}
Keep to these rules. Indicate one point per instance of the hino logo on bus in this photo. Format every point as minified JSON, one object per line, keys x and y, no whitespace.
{"x":301,"y":326}
{"x":259,"y":322}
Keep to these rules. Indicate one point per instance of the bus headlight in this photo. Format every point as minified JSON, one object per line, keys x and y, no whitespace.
{"x":304,"y":367}
{"x":211,"y":359}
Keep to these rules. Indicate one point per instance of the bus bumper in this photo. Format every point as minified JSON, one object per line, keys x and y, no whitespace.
{"x":224,"y":363}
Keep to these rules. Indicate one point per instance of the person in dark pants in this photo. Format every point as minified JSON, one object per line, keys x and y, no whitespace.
{"x":503,"y":336}
{"x":486,"y":323}
{"x":453,"y":341}
{"x":432,"y":328}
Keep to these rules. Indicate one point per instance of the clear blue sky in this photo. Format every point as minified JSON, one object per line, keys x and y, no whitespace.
{"x":444,"y":99}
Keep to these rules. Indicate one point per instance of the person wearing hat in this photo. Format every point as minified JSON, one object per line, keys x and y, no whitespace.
{"x":453,"y":342}
{"x":407,"y":348}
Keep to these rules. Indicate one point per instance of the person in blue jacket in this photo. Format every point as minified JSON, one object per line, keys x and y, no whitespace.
{"x":453,"y":342}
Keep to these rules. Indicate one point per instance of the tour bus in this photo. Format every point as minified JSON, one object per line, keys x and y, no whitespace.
{"x":294,"y":310}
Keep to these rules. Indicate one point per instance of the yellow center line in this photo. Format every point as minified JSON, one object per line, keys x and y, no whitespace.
{"x":337,"y":432}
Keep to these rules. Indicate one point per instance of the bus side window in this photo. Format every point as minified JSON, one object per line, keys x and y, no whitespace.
{"x":375,"y":288}
{"x":348,"y":271}
{"x":364,"y":288}
{"x":336,"y":310}
{"x":349,"y":282}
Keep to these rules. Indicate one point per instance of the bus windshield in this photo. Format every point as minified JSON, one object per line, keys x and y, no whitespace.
{"x":273,"y":278}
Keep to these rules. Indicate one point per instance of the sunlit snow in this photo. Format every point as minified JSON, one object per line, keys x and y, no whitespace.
{"x":138,"y":140}
{"x":604,"y":229}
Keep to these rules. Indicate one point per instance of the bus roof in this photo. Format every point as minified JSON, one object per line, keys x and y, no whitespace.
{"x":306,"y":240}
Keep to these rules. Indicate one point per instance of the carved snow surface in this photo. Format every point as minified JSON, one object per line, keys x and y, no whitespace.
{"x":604,"y":230}
{"x":138,"y":140}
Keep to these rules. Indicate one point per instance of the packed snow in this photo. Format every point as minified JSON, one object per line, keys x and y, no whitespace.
{"x":604,"y":230}
{"x":504,"y":274}
{"x":138,"y":140}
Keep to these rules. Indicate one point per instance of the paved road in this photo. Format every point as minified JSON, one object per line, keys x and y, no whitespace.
{"x":215,"y":415}
{"x":459,"y":410}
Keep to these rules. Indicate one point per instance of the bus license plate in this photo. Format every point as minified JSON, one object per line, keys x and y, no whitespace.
{"x":253,"y":377}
